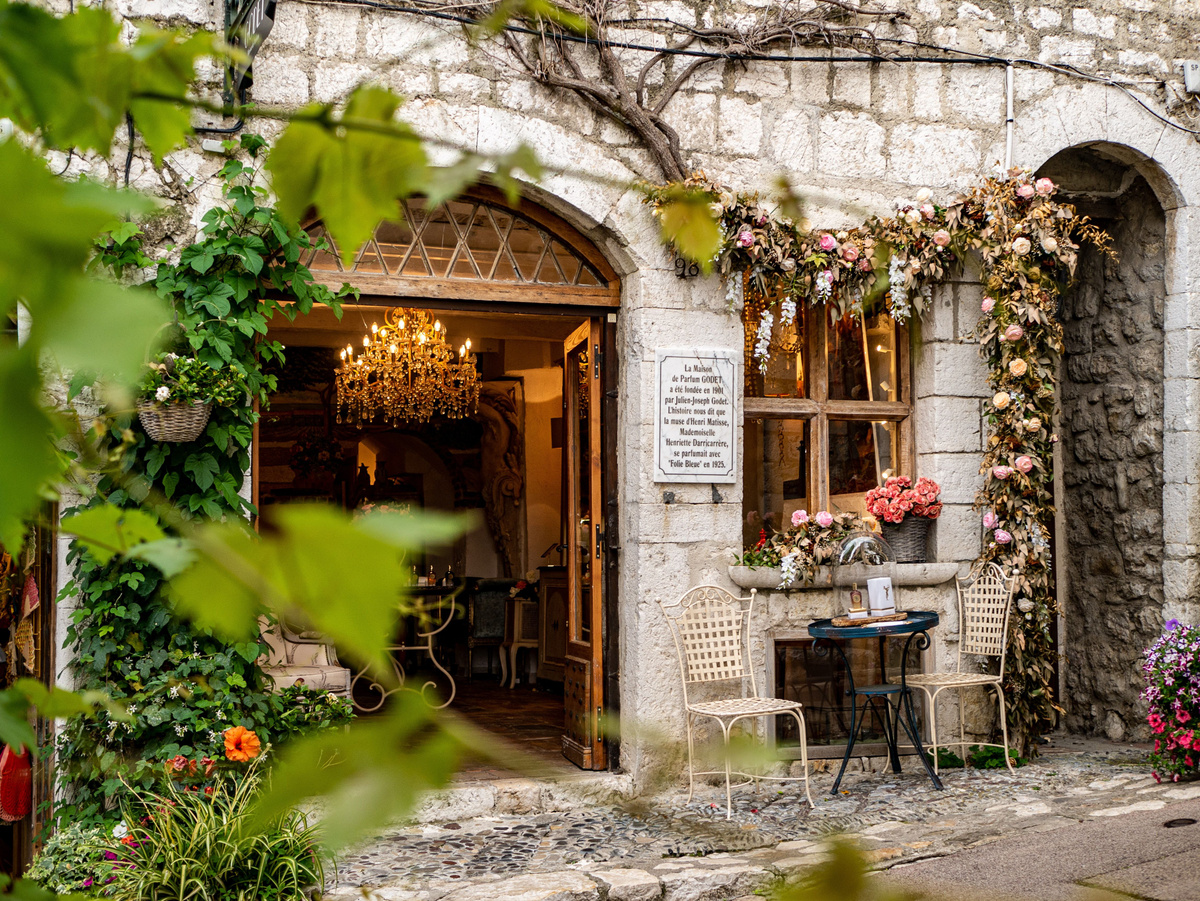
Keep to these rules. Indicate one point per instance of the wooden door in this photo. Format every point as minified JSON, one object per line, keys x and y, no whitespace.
{"x":583,"y":683}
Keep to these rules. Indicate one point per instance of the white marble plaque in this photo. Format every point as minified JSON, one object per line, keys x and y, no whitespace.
{"x":696,"y":414}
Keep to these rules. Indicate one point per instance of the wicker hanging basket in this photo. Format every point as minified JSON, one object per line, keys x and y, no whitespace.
{"x":907,"y":539}
{"x":173,"y":422}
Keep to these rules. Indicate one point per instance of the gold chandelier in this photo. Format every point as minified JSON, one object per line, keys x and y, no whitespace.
{"x":406,"y":371}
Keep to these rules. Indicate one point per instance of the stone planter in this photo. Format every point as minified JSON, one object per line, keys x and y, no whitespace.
{"x":903,"y":575}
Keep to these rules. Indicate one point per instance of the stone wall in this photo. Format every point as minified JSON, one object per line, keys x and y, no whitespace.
{"x":1112,"y":409}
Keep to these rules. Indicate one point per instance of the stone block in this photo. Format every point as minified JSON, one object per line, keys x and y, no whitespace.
{"x":762,"y":80}
{"x":1181,"y":450}
{"x":517,"y":796}
{"x":958,"y":474}
{"x":852,"y":84}
{"x":739,"y":127}
{"x":948,"y":424}
{"x":695,"y":118}
{"x":1085,"y":21}
{"x":976,"y":93}
{"x":291,"y":27}
{"x":1181,"y":580}
{"x":1071,"y":51}
{"x":927,"y":91}
{"x":1181,"y":525}
{"x":279,"y":80}
{"x":1181,"y":405}
{"x":891,"y":90}
{"x":810,"y":83}
{"x":197,"y":12}
{"x":1183,"y":269}
{"x":1181,"y":359}
{"x":461,"y":86}
{"x":459,"y":803}
{"x":951,"y":370}
{"x":956,"y":533}
{"x":333,"y":81}
{"x":713,"y":883}
{"x":561,"y":886}
{"x":685,"y":523}
{"x":629,"y":885}
{"x":851,"y":144}
{"x":1031,"y":83}
{"x":933,"y":155}
{"x":1043,"y":17}
{"x":792,"y":145}
{"x":337,"y":31}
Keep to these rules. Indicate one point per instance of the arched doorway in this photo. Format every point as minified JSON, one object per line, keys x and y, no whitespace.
{"x":1110,"y":539}
{"x":535,"y":459}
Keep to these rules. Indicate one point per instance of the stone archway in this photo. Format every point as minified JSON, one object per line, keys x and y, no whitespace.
{"x":1111,"y":392}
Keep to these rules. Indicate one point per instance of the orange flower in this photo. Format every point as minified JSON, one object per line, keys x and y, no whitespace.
{"x":241,"y":744}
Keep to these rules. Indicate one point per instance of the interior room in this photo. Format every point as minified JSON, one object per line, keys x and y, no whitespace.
{"x":493,"y":646}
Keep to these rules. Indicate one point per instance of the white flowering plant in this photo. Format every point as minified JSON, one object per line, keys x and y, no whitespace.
{"x":174,"y":379}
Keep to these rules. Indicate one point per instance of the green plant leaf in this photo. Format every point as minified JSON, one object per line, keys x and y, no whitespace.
{"x":27,"y":430}
{"x":691,"y":226}
{"x":171,"y":555}
{"x":352,"y":176}
{"x":107,"y":530}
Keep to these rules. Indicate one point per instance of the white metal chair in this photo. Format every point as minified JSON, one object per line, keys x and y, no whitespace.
{"x":710,"y":627}
{"x":983,"y":608}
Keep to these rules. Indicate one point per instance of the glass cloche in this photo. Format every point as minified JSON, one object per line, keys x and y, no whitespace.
{"x":860,"y":552}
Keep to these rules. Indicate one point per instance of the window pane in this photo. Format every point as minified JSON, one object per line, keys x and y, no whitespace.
{"x":862,"y":358}
{"x":786,"y":373}
{"x":775,"y":475}
{"x":861,"y":456}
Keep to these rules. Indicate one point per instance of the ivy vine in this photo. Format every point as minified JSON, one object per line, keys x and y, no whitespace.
{"x":182,"y":687}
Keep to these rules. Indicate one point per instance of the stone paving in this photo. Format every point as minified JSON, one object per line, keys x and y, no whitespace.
{"x":664,"y":847}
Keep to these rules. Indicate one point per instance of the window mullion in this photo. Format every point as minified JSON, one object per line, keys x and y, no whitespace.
{"x":818,"y":427}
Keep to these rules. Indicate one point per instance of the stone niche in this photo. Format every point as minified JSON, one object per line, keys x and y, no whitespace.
{"x":1111,"y":496}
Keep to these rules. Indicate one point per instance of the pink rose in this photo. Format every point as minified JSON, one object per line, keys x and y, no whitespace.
{"x":824,"y":519}
{"x":799,"y":517}
{"x":1014,"y":333}
{"x":745,"y":238}
{"x":1045,"y":187}
{"x":927,"y":210}
{"x":827,"y":275}
{"x":1002,"y":537}
{"x":941,"y":237}
{"x":1002,"y":472}
{"x":987,"y":305}
{"x":989,"y":520}
{"x":864,"y":265}
{"x":850,"y":252}
{"x":1024,"y":464}
{"x":827,"y":242}
{"x":1025,"y":191}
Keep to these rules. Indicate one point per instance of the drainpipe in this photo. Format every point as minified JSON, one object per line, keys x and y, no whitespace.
{"x":1008,"y":124}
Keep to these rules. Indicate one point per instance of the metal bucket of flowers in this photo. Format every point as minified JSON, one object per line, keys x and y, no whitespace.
{"x":178,"y":394}
{"x":904,"y":511}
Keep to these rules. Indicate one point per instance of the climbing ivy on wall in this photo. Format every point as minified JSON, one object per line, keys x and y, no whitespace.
{"x":181,"y":686}
{"x":1027,"y":243}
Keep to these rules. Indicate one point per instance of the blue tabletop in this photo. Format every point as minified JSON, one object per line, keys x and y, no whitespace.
{"x":916,"y":621}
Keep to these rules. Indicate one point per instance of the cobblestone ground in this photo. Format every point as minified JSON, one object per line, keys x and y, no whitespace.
{"x":666,"y":847}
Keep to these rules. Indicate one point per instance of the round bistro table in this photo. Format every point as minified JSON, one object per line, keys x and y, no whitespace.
{"x":897,"y":696}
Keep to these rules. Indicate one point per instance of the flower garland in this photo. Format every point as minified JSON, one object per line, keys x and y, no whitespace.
{"x":1028,"y":245}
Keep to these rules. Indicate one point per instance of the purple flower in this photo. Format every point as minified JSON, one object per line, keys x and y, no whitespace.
{"x":1172,"y":625}
{"x":109,"y":855}
{"x":87,"y":883}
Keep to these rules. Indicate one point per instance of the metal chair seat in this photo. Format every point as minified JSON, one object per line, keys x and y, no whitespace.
{"x":884,"y":688}
{"x":952,"y":680}
{"x":736,"y":707}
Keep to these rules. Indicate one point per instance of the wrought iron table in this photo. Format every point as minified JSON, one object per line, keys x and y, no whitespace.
{"x":420,"y":636}
{"x":916,"y":626}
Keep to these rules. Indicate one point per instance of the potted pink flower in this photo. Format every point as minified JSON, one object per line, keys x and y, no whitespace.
{"x":904,"y":511}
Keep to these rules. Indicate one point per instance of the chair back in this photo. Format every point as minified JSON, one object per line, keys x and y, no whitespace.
{"x":708,"y":625}
{"x":983,"y":608}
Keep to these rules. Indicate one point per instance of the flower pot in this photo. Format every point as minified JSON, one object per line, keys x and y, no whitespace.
{"x":173,"y":422}
{"x":907,"y":538}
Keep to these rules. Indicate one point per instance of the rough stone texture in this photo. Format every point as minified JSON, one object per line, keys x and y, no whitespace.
{"x":629,"y":885}
{"x":1112,"y":421}
{"x":562,"y":886}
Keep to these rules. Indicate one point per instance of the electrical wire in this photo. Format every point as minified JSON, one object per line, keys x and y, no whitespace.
{"x":945,"y":55}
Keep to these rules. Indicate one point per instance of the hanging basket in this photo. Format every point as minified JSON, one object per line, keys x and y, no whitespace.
{"x":173,"y":422}
{"x":907,"y":539}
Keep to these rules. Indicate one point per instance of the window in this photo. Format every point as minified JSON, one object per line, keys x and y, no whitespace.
{"x":830,"y":418}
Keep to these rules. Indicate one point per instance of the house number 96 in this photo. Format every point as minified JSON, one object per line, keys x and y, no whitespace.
{"x":684,"y":269}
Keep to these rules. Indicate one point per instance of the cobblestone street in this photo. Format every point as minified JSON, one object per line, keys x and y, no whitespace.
{"x":664,"y":847}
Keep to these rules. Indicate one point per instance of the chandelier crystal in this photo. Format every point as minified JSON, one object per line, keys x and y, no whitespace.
{"x":406,"y":371}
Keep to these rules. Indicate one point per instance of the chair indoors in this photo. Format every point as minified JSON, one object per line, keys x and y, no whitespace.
{"x":305,"y":658}
{"x":710,"y":628}
{"x":983,"y":608}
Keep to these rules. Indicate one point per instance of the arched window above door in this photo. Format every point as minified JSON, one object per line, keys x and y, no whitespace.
{"x":473,"y":247}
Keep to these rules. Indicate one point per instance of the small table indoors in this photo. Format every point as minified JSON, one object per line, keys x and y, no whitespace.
{"x":897,"y":696}
{"x":418,"y":634}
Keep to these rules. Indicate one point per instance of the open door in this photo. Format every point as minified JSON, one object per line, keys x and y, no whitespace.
{"x":583,"y":685}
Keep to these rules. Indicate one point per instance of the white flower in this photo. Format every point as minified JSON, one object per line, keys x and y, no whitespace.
{"x":762,"y":341}
{"x":131,"y":709}
{"x":174,"y":692}
{"x":120,"y":830}
{"x":179,"y":730}
{"x":788,"y":570}
{"x":1025,"y":605}
{"x":1021,"y":246}
{"x":1050,"y":245}
{"x":912,"y":217}
{"x":213,"y":735}
{"x":162,"y":393}
{"x":923,"y":195}
{"x":172,"y":356}
{"x":787,"y":311}
{"x":221,"y":715}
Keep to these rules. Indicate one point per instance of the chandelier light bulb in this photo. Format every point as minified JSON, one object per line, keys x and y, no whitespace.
{"x":374,"y":327}
{"x":468,"y":344}
{"x":437,"y":325}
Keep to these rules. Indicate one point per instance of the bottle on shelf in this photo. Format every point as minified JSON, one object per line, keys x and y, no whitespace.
{"x":415,"y":577}
{"x":448,"y":579}
{"x":431,"y":579}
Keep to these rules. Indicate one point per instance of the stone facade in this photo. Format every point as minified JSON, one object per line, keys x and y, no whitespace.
{"x":853,"y":138}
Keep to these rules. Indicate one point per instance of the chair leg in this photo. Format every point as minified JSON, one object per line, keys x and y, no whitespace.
{"x":512,"y":666}
{"x":1004,"y":729}
{"x":962,"y":727}
{"x":804,"y":755}
{"x":933,"y":740}
{"x":502,"y":653}
{"x":691,"y":762}
{"x":728,"y":789}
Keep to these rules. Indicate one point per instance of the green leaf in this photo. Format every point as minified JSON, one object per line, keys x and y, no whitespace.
{"x":108,"y":530}
{"x":26,"y":432}
{"x":353,"y":176}
{"x":14,"y":723}
{"x":202,"y":467}
{"x":534,"y":11}
{"x":689,"y":223}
